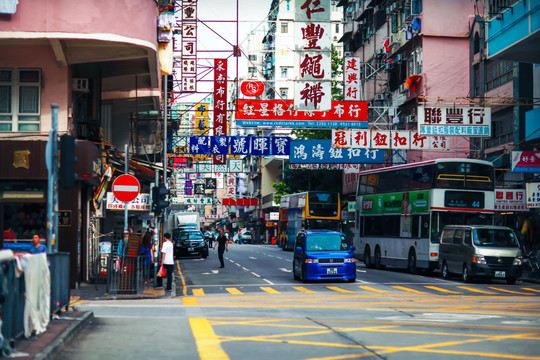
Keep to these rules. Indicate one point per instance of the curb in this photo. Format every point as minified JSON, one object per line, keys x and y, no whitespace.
{"x":51,"y":351}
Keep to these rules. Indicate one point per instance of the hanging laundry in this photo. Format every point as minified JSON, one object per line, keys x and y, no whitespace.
{"x":417,"y":25}
{"x":408,"y":32}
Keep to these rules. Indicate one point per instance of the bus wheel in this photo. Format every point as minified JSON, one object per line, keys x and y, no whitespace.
{"x":378,"y":258}
{"x":411,"y":264}
{"x":444,"y":272}
{"x":367,"y":257}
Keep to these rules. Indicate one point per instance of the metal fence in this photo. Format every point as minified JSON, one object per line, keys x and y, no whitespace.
{"x":128,"y":275}
{"x":12,"y":288}
{"x":59,"y":266}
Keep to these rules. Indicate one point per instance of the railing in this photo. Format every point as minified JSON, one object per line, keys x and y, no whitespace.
{"x":128,"y":275}
{"x":12,"y":309}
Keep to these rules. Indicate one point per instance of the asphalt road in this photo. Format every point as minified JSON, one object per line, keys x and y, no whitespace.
{"x":253,"y":309}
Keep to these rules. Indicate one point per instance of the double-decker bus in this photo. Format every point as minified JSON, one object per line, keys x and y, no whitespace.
{"x":401,"y":210}
{"x":307,"y":210}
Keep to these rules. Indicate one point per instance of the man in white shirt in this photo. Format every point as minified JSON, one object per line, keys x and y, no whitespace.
{"x":167,"y":258}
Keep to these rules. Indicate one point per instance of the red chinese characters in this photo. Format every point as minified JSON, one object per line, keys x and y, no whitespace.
{"x":220,"y":104}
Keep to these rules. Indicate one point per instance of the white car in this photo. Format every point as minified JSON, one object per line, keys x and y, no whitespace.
{"x":246,"y":237}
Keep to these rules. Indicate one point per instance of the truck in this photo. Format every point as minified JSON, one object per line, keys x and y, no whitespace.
{"x":178,"y":219}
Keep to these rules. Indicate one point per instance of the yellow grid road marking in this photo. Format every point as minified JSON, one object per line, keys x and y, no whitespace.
{"x":304,"y":290}
{"x":198,"y":292}
{"x":338,"y":289}
{"x":369,"y":288}
{"x":234,"y":291}
{"x":531,"y":289}
{"x":408,"y":289}
{"x":270,"y":290}
{"x":190,"y":301}
{"x":509,"y":291}
{"x":208,"y":343}
{"x":442,"y":290}
{"x":476,"y":290}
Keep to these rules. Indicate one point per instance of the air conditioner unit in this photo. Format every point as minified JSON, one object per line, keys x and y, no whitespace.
{"x":400,"y":57}
{"x":347,"y":53}
{"x":80,"y":84}
{"x":410,"y":119}
{"x":380,"y":97}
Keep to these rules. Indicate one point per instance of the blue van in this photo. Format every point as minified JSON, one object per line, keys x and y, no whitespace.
{"x":323,"y":255}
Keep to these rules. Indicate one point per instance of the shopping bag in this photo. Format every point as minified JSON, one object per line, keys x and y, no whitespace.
{"x":161,"y":272}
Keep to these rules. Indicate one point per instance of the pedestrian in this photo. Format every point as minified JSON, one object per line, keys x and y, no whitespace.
{"x":147,"y":251}
{"x":223,"y":244}
{"x":167,"y":259}
{"x":38,"y":247}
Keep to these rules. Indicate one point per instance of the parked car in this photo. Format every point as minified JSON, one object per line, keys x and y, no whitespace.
{"x":481,"y":251}
{"x":323,"y":255}
{"x":246,"y":237}
{"x":189,"y":243}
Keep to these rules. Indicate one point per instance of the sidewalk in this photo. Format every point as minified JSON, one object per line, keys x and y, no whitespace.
{"x":62,"y":330}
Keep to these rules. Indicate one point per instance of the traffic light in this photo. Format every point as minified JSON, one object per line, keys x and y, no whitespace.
{"x":159,"y":198}
{"x":68,"y":160}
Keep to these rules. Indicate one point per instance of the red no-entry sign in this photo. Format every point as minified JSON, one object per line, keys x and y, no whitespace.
{"x":126,"y":188}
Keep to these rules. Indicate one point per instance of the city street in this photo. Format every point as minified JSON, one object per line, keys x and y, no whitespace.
{"x":253,"y":309}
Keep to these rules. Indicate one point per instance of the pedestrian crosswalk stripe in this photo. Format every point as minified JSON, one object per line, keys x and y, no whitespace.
{"x":531,"y":289}
{"x":233,"y":291}
{"x":304,"y":290}
{"x":510,"y":291}
{"x":338,"y":289}
{"x":198,"y":292}
{"x":442,"y":290}
{"x":189,"y":301}
{"x":270,"y":290}
{"x":369,"y":288}
{"x":408,"y":289}
{"x":476,"y":290}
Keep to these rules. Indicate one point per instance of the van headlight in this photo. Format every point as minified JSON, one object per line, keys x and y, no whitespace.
{"x":518,"y":261}
{"x":479,"y":259}
{"x":312,"y":261}
{"x":349,"y":260}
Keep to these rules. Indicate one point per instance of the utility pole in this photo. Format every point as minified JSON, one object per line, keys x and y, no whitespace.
{"x":51,"y":160}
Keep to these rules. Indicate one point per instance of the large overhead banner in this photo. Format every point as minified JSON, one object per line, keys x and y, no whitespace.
{"x":313,"y":90}
{"x":220,"y":104}
{"x":343,"y":114}
{"x":322,"y":152}
{"x":454,"y":120}
{"x":387,"y":139}
{"x":239,"y":145}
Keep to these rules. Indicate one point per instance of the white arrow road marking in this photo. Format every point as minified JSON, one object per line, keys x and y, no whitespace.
{"x":212,"y":273}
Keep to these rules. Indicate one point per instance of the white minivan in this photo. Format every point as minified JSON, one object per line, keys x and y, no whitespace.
{"x":480,"y":251}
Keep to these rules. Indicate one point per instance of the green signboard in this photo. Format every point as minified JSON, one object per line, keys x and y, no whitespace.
{"x":396,"y":203}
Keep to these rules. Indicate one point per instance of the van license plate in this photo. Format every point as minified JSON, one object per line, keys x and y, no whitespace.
{"x":331,"y":271}
{"x":500,"y":274}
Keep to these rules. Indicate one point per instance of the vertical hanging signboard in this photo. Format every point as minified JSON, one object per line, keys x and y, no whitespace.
{"x":220,"y":104}
{"x":313,"y":90}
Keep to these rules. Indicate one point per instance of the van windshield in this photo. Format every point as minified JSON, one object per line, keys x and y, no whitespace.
{"x":495,"y":238}
{"x":326,"y":242}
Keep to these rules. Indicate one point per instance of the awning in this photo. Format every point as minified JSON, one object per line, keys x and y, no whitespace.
{"x":346,"y":36}
{"x":342,"y":2}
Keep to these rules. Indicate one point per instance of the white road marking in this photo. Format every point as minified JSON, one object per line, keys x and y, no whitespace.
{"x":253,"y":257}
{"x":245,"y":268}
{"x":257,"y":275}
{"x":285,"y":270}
{"x":268,"y":281}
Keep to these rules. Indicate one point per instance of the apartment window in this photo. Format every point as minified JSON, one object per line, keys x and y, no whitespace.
{"x":252,"y":57}
{"x":283,"y":93}
{"x":284,"y":72}
{"x":414,"y":62}
{"x":498,"y":72}
{"x":20,"y":99}
{"x":252,"y":70}
{"x":284,"y":27}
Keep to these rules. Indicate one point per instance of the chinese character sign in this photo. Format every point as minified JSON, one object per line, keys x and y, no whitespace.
{"x":387,"y":139}
{"x":533,"y":195}
{"x":454,"y":121}
{"x":312,"y":39}
{"x":322,"y":152}
{"x":342,"y":114}
{"x":510,"y":200}
{"x":526,"y":161}
{"x":220,"y":103}
{"x":188,"y":45}
{"x":351,"y":79}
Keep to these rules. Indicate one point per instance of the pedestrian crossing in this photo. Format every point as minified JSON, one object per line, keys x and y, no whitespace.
{"x":379,"y":289}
